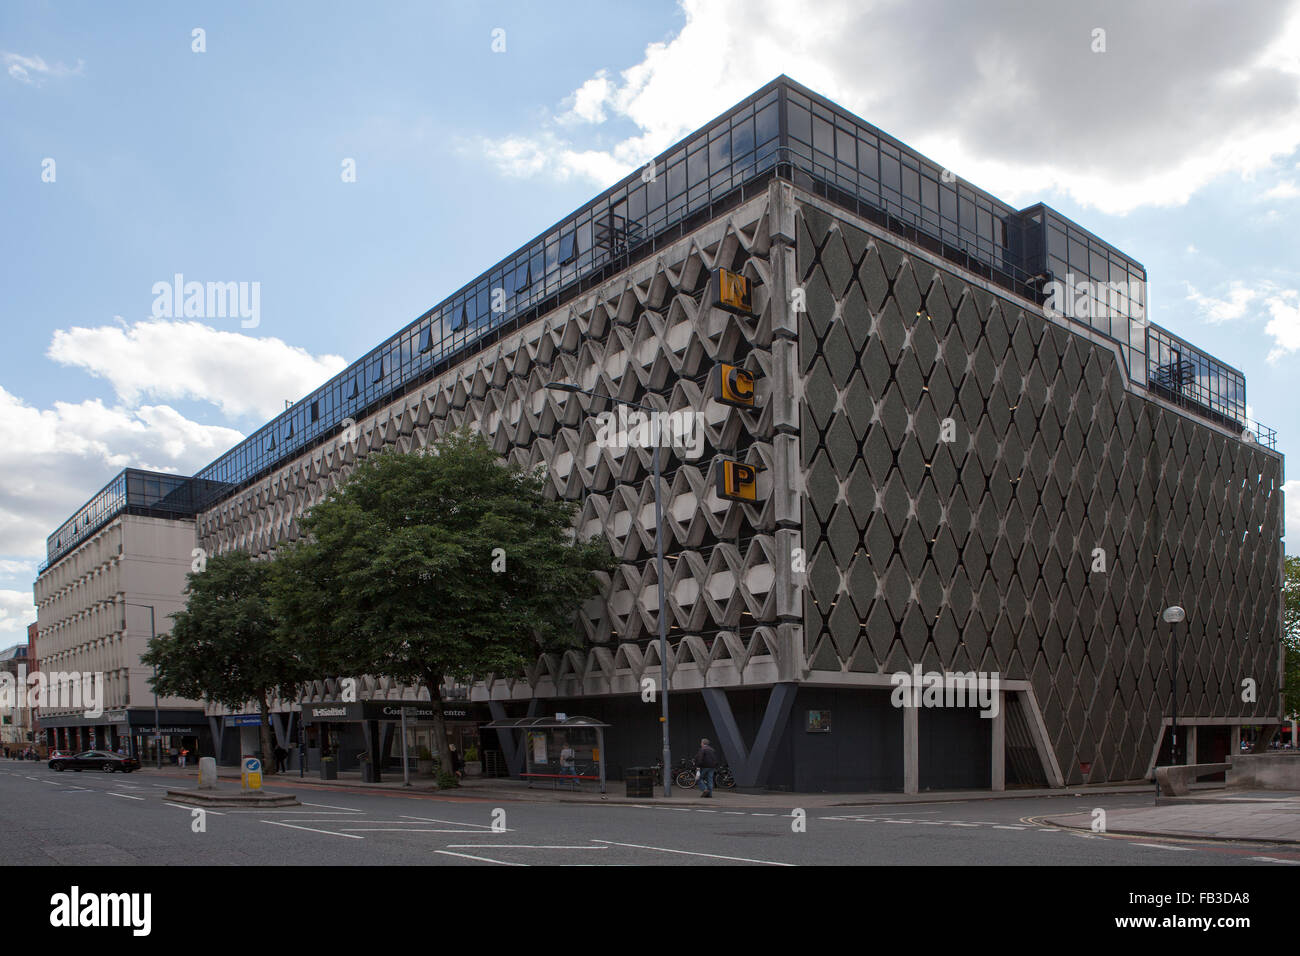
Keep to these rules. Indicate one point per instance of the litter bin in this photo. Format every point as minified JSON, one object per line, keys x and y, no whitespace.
{"x":640,"y":781}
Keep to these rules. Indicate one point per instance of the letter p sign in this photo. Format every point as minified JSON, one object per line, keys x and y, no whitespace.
{"x":737,"y":481}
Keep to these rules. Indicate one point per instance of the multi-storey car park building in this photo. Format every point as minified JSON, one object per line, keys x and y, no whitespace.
{"x":957,"y":469}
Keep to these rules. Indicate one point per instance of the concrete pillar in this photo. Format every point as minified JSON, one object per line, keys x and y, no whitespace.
{"x":999,"y":735}
{"x":207,"y":773}
{"x":1234,"y":741}
{"x":911,"y":750}
{"x":1189,"y":745}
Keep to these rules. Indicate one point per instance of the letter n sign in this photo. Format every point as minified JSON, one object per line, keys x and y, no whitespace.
{"x":734,"y":386}
{"x":733,"y":293}
{"x":737,"y":481}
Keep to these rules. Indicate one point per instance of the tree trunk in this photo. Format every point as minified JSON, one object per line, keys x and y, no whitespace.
{"x":433,"y":681}
{"x":268,"y":746}
{"x":1265,"y":737}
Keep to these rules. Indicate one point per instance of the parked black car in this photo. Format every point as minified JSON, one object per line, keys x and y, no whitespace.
{"x":95,"y":760}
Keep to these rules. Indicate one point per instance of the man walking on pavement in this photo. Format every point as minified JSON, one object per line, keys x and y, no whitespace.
{"x":707,"y":761}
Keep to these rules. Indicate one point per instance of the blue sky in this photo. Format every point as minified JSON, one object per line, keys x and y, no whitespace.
{"x":1179,"y":142}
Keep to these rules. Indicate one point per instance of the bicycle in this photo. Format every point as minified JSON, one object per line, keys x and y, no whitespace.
{"x":722,"y":777}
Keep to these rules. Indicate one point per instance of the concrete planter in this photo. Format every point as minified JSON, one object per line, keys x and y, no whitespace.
{"x":329,"y":770}
{"x":473,"y":768}
{"x":425,"y":767}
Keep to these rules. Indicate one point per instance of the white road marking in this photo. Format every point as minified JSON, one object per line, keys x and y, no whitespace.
{"x":398,"y":830}
{"x":329,"y":807}
{"x":181,"y":806}
{"x":124,"y":796}
{"x":1273,"y":859}
{"x":1161,"y":846}
{"x":50,"y":782}
{"x":517,"y":846}
{"x":276,"y":823}
{"x":714,"y":856}
{"x":482,"y":859}
{"x":481,"y":826}
{"x":1003,"y":826}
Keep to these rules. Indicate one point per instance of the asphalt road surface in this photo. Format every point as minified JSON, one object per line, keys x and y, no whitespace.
{"x":90,"y":818}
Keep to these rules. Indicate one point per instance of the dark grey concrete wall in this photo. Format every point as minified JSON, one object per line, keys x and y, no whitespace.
{"x":977,"y":554}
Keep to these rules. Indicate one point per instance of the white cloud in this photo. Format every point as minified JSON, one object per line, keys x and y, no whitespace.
{"x":1020,"y":104}
{"x":1282,"y":306}
{"x":54,"y":459}
{"x":168,"y":359}
{"x":1286,"y":189}
{"x":16,"y":612}
{"x":1292,"y":491}
{"x":33,"y":70}
{"x":1232,"y":306}
{"x":1284,"y":324}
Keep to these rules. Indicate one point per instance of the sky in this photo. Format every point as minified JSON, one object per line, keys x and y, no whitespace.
{"x":358,"y":163}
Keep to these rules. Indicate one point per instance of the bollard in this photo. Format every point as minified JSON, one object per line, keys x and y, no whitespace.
{"x":207,"y":773}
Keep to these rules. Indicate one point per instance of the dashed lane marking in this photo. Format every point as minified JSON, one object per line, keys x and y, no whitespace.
{"x":124,"y":796}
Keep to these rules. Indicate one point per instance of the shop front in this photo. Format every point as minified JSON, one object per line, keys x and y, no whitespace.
{"x":352,"y":731}
{"x":133,"y":733}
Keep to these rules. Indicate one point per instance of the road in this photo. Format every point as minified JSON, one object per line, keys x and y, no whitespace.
{"x":92,"y":819}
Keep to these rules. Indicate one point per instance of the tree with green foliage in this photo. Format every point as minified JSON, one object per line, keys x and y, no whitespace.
{"x":224,"y":647}
{"x":442,"y":564}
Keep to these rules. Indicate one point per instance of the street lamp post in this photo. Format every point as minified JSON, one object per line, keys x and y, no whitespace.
{"x":157,"y":731}
{"x":1172,"y":616}
{"x":659,"y":559}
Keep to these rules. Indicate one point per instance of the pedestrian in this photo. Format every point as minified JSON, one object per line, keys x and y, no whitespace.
{"x":568,"y":767}
{"x":706,"y":761}
{"x":457,"y":762}
{"x":281,"y":759}
{"x":181,"y":758}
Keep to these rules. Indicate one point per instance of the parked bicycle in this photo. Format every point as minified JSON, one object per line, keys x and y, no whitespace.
{"x":722,"y":777}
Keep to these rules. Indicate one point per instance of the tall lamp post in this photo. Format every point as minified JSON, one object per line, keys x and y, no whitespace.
{"x":659,"y":557}
{"x":157,"y":729}
{"x":1172,"y":616}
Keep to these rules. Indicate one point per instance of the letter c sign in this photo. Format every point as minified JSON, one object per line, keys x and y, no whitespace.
{"x":735,"y":386}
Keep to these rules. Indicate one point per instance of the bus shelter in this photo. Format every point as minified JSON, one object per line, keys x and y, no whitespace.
{"x":559,"y":749}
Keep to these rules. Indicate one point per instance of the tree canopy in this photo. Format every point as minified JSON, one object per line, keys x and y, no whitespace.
{"x":225,"y":646}
{"x":448,"y":563}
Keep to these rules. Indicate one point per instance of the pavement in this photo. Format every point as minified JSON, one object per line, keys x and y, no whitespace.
{"x":1260,"y":816}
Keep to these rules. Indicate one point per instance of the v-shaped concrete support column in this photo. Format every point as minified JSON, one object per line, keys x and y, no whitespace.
{"x":750,"y":766}
{"x":512,"y":742}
